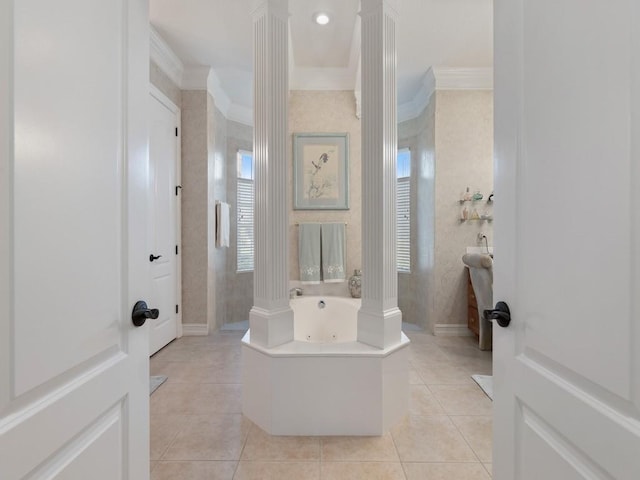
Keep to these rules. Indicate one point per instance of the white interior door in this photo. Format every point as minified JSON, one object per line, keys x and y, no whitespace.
{"x":74,"y":386}
{"x":164,"y":154}
{"x":567,"y":239}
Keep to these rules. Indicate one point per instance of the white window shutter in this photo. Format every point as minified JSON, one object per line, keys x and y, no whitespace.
{"x":403,"y":221}
{"x":245,"y":225}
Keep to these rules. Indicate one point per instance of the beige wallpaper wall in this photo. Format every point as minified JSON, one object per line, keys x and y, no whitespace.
{"x":217,"y":184}
{"x":415,"y":290}
{"x":324,"y":112}
{"x":195,"y":215}
{"x":239,"y":286}
{"x":464,"y":158}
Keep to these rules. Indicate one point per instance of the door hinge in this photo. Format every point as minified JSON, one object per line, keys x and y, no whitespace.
{"x":178,"y":187}
{"x":177,"y":309}
{"x":176,"y":131}
{"x":176,"y":249}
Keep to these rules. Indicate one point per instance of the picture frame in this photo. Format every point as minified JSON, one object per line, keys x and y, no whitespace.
{"x":321,"y":171}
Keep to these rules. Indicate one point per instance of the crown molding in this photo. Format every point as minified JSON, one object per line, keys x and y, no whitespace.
{"x":220,"y":98}
{"x":162,"y":55}
{"x":413,"y":108}
{"x":240,"y":114}
{"x":463,"y":78}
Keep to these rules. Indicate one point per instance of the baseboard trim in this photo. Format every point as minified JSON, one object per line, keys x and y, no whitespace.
{"x":451,"y":330}
{"x":195,"y":329}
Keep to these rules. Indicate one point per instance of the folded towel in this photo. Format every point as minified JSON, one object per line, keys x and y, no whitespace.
{"x":481,"y":274}
{"x":333,"y":252}
{"x":477,"y":260}
{"x":222,"y":224}
{"x":309,"y":252}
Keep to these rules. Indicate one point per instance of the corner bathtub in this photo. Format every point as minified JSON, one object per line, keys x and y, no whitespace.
{"x":325,"y":319}
{"x":325,"y":382}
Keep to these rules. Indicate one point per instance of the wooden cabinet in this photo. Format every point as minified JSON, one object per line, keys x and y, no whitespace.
{"x":473,"y":321}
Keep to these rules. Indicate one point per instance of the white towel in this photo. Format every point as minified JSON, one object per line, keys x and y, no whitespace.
{"x":222,"y":224}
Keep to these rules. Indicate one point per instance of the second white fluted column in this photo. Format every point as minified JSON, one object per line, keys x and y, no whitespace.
{"x":379,"y":319}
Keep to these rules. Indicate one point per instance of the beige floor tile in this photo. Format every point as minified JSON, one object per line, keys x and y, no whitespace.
{"x":414,"y":378}
{"x":423,"y":402}
{"x":210,"y":437}
{"x":194,"y":471}
{"x":152,"y":465}
{"x":477,"y":432}
{"x":193,"y":372}
{"x":196,"y":399}
{"x":462,"y":399}
{"x":428,"y":354}
{"x":481,"y":367}
{"x":261,"y":446}
{"x":418,"y":338}
{"x":445,"y":471}
{"x":489,"y":467}
{"x":164,"y":429}
{"x":359,"y":449}
{"x":361,"y":471}
{"x":431,"y":439}
{"x":469,"y":341}
{"x":156,"y":367}
{"x":278,"y":471}
{"x":443,"y":374}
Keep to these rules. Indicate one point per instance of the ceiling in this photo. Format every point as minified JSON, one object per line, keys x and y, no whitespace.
{"x":430,"y":33}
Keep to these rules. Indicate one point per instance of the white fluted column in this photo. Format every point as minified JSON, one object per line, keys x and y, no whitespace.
{"x":379,"y":319}
{"x":271,"y":318}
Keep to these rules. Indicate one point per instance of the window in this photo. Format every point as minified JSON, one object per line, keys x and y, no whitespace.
{"x":245,"y":212}
{"x":403,"y":210}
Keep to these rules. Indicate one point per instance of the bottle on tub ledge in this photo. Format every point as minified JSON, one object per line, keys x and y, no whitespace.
{"x":355,"y":284}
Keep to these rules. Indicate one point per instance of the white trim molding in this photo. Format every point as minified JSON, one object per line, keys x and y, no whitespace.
{"x":463,"y":78}
{"x":195,"y":329}
{"x":444,"y":78}
{"x":412,"y":109}
{"x":451,"y":330}
{"x":162,"y":55}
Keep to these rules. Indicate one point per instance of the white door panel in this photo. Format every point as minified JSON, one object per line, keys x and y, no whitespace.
{"x":567,"y":82}
{"x":74,"y":374}
{"x":164,"y":118}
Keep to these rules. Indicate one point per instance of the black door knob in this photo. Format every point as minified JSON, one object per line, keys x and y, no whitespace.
{"x":141,"y":312}
{"x":500,"y":314}
{"x":152,"y":257}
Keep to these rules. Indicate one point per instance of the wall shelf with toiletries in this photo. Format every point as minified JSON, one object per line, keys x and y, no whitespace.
{"x":474,"y":207}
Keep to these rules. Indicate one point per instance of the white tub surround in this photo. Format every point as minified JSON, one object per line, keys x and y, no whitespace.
{"x":313,"y":388}
{"x":271,"y":318}
{"x":380,"y":319}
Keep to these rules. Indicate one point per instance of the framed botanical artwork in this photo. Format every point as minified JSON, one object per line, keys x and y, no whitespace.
{"x":321,"y":171}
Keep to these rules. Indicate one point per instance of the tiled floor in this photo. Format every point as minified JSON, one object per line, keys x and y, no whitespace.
{"x":198,"y":431}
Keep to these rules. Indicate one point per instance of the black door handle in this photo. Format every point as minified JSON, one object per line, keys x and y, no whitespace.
{"x":500,"y":314}
{"x":152,"y":257}
{"x":141,"y":312}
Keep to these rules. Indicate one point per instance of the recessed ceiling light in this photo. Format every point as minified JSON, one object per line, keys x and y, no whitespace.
{"x":321,"y":18}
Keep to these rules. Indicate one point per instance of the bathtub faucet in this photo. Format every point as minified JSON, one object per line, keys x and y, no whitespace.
{"x":295,"y":292}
